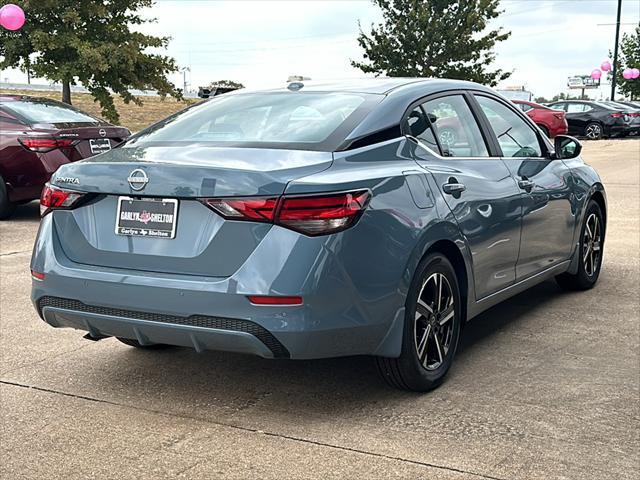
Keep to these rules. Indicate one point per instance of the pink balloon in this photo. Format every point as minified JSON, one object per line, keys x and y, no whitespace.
{"x":627,"y":73}
{"x":11,"y":17}
{"x":635,"y":73}
{"x":596,"y":74}
{"x":605,"y":66}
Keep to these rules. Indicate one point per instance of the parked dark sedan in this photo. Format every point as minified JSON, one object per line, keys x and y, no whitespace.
{"x":633,"y":112}
{"x":319,"y":221}
{"x":594,"y":120}
{"x":38,"y":135}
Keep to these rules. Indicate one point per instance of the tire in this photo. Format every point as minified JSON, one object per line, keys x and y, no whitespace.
{"x":589,"y":252}
{"x":136,"y":344}
{"x":6,"y":207}
{"x":426,"y":370}
{"x":544,"y":129}
{"x":593,"y":131}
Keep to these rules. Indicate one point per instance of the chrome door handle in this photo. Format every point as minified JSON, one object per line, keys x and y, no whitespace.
{"x":526,"y":184}
{"x":453,"y":187}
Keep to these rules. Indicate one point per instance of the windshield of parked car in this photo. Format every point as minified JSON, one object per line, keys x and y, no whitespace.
{"x":43,"y":110}
{"x":270,"y":119}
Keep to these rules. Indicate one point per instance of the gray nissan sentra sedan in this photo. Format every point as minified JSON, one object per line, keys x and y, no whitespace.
{"x":371,"y":217}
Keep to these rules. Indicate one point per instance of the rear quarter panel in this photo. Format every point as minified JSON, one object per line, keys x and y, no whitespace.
{"x":369,"y":268}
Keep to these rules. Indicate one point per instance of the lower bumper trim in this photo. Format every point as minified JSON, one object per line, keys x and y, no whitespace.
{"x":201,"y":321}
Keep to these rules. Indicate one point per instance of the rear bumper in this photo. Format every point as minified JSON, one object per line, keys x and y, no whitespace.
{"x":201,"y":333}
{"x":341,"y":315}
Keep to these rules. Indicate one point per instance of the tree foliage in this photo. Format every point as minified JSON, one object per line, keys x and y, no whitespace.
{"x":434,"y":38}
{"x":90,"y":42}
{"x":226,"y":84}
{"x":628,"y":57}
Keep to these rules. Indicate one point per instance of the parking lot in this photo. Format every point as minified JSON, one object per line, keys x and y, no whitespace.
{"x":545,"y":386}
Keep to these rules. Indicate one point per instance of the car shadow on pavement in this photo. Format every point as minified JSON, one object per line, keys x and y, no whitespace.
{"x":186,"y":380}
{"x":27,"y":211}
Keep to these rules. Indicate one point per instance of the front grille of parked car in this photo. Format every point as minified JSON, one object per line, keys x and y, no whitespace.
{"x":261,"y":333}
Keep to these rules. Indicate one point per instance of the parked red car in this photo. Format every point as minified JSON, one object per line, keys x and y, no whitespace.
{"x":551,"y":122}
{"x":37,"y":135}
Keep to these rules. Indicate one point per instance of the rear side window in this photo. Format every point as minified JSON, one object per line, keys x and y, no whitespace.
{"x":315,"y":120}
{"x":515,"y":136}
{"x":524,"y":107}
{"x":455,"y":126}
{"x":47,"y":111}
{"x":418,"y":125}
{"x":577,"y":108}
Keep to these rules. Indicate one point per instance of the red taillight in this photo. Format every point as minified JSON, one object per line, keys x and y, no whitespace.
{"x":308,"y":214}
{"x":559,"y":115}
{"x":53,"y":197}
{"x":634,"y":114}
{"x":319,"y":215}
{"x":274,"y":300}
{"x":42,"y":144}
{"x":617,"y":115}
{"x":256,"y":209}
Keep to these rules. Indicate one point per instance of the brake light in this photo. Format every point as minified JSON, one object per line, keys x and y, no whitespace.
{"x":308,"y":214}
{"x":56,"y":198}
{"x":559,"y":115}
{"x":256,"y":209}
{"x":617,"y":115}
{"x":319,"y":215}
{"x":46,"y":144}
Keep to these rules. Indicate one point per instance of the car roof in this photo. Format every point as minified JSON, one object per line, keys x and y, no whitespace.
{"x":373,"y":85}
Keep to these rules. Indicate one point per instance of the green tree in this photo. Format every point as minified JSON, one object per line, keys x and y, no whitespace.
{"x":90,"y":42}
{"x":226,"y":84}
{"x":434,"y":38}
{"x":628,"y":57}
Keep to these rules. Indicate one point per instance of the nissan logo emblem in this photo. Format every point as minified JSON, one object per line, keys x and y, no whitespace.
{"x":138,"y":179}
{"x":102,"y":132}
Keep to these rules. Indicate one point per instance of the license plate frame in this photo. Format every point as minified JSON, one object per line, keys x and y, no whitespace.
{"x":133,"y":221}
{"x":99,"y":145}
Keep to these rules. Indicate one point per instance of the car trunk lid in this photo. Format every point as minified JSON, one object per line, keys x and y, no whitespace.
{"x":204,"y":243}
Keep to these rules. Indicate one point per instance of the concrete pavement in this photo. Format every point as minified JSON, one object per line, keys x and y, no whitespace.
{"x":545,"y":386}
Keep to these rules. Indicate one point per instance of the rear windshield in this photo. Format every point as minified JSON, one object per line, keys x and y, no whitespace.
{"x":315,"y":121}
{"x":47,"y":111}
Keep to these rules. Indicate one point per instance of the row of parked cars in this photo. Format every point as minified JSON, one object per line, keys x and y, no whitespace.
{"x":38,"y":135}
{"x":591,"y":119}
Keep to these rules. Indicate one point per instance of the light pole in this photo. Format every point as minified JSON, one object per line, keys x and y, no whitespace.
{"x":615,"y":54}
{"x":184,"y":71}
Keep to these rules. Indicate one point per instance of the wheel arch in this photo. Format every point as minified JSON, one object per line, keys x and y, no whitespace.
{"x":445,"y":238}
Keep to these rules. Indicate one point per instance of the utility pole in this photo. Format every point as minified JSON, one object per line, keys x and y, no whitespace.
{"x":184,"y":71}
{"x":615,"y":54}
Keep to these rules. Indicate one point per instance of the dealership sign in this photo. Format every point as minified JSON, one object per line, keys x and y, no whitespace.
{"x":582,"y":81}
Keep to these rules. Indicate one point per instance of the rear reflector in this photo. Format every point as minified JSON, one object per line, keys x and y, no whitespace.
{"x":37,"y":275}
{"x":56,"y":198}
{"x":41,"y":144}
{"x":274,"y":300}
{"x":316,"y":214}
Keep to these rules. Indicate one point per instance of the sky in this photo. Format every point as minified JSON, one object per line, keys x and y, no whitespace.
{"x":261,"y":43}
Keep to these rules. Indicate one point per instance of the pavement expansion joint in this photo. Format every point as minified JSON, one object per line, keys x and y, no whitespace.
{"x":254,"y":430}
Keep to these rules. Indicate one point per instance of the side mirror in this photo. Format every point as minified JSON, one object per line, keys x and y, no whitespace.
{"x":566,"y":147}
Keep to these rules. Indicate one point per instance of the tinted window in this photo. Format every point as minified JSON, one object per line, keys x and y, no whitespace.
{"x":516,"y":137}
{"x":47,"y":111}
{"x":418,"y":125}
{"x":524,"y":107}
{"x":252,"y":119}
{"x":455,"y":126}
